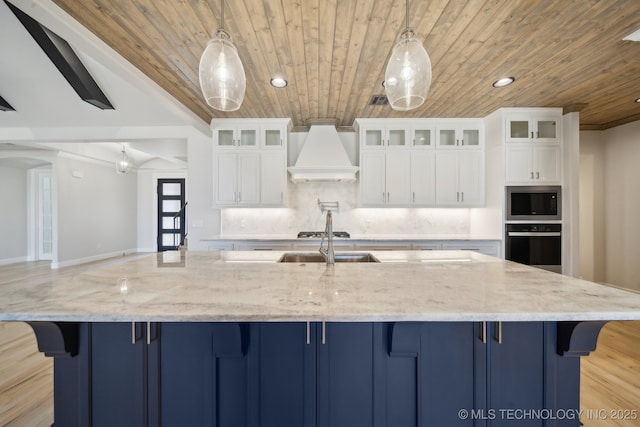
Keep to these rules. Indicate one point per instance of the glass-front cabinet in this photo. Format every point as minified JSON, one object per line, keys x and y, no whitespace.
{"x":386,"y":137}
{"x":532,"y":127}
{"x":463,"y":134}
{"x":237,"y":137}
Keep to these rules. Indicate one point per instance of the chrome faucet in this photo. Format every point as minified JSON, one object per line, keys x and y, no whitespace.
{"x":328,"y":253}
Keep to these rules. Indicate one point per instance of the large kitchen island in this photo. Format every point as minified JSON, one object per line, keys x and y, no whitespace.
{"x":420,"y":338}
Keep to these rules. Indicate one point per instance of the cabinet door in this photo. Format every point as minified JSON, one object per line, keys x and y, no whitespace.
{"x":423,"y":178}
{"x":398,"y":177}
{"x":282,"y":374}
{"x":518,"y":128}
{"x":225,"y":137}
{"x":447,"y":178}
{"x":516,"y":369}
{"x":273,"y":179}
{"x":519,"y":164}
{"x":471,"y":178}
{"x":546,"y":162}
{"x":248,"y":179}
{"x":226,"y":177}
{"x":423,"y":137}
{"x":204,"y":375}
{"x":247,"y":137}
{"x":373,"y":138}
{"x":345,"y":374}
{"x":546,"y":129}
{"x":397,"y":138}
{"x":448,"y":373}
{"x":470,"y":137}
{"x":273,"y":137}
{"x":118,"y":374}
{"x":372,"y":178}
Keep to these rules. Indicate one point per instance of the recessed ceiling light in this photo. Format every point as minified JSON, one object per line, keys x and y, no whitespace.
{"x":278,"y":82}
{"x":505,"y":81}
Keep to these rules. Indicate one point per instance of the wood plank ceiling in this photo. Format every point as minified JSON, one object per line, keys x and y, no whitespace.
{"x":563,"y":53}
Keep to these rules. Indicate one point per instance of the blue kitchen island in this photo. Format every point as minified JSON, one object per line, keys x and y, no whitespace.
{"x":438,"y":338}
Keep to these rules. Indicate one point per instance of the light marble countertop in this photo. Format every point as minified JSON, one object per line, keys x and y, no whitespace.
{"x":252,"y":286}
{"x":359,"y":237}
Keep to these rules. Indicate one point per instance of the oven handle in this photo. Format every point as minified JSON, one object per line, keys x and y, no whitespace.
{"x":534,"y":233}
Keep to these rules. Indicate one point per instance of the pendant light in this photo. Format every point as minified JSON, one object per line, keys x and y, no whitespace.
{"x":408,"y":75}
{"x":124,"y":164}
{"x":222,"y":78}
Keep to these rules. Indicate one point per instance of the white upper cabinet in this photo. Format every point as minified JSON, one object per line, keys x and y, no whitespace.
{"x":530,"y":165}
{"x":242,"y":137}
{"x":467,"y":134}
{"x":386,"y":137}
{"x":423,"y":137}
{"x":250,"y":162}
{"x":533,"y":126}
{"x":533,"y":149}
{"x":399,"y":160}
{"x":459,"y":178}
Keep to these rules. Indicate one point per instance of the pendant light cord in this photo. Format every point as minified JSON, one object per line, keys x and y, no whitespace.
{"x":222,"y":13}
{"x":407,"y":13}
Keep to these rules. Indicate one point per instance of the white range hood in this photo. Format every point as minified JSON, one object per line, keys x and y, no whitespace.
{"x":323,"y":157}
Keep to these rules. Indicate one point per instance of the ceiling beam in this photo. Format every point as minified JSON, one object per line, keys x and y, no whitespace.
{"x":65,"y":59}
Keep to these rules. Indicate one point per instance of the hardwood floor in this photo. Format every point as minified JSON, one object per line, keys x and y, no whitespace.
{"x":610,"y":381}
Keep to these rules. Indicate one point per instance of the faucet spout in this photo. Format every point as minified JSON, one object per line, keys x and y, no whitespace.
{"x":328,"y":253}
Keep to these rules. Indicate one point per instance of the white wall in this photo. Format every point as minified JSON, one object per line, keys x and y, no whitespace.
{"x":592,"y":253}
{"x":204,"y":220}
{"x":622,"y":205}
{"x":13,"y":214}
{"x":97,"y":213}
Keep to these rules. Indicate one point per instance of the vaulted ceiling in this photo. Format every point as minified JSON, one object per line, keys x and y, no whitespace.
{"x":563,"y":53}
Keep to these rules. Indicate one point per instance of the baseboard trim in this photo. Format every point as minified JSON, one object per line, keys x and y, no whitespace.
{"x":8,"y":261}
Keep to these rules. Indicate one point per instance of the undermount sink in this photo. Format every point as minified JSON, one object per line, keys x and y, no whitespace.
{"x":316,"y":257}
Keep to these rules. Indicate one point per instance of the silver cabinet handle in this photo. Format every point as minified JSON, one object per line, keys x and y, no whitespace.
{"x":134,"y":338}
{"x":308,"y":333}
{"x":282,"y":197}
{"x":239,"y":196}
{"x":462,"y":196}
{"x":483,"y":332}
{"x":457,"y":196}
{"x":388,"y":197}
{"x":531,"y":175}
{"x":534,"y":233}
{"x":537,"y":175}
{"x":531,"y":134}
{"x":414,"y":197}
{"x":324,"y":333}
{"x":498,"y":332}
{"x":235,"y":197}
{"x":384,"y":200}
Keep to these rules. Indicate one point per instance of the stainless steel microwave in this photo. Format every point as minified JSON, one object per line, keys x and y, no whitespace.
{"x":534,"y":203}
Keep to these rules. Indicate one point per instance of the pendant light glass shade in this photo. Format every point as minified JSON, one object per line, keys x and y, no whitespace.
{"x":408,"y":75}
{"x":221,"y":73}
{"x":123,"y":165}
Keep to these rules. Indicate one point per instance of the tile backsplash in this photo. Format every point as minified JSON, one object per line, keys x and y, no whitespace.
{"x":303,"y":214}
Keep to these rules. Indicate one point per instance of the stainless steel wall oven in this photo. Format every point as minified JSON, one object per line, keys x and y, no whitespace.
{"x":538,"y":245}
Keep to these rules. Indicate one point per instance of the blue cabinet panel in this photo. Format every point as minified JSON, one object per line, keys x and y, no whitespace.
{"x":118,"y":375}
{"x":282,"y":367}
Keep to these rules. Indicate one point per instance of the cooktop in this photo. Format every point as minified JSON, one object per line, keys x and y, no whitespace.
{"x":318,"y":234}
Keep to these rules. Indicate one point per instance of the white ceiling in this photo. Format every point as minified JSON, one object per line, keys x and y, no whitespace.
{"x":44,"y":100}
